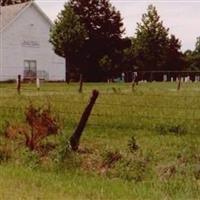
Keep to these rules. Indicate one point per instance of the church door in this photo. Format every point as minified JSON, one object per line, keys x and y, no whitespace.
{"x":30,"y":69}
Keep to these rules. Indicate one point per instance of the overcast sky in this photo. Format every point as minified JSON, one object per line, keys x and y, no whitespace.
{"x":182,"y":17}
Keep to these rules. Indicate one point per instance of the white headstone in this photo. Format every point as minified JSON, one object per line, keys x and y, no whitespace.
{"x":123,"y":76}
{"x":164,"y":77}
{"x":38,"y":83}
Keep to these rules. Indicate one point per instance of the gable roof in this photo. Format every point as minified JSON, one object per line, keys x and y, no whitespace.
{"x":10,"y":13}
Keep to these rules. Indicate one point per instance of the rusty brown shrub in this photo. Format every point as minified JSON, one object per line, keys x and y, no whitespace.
{"x":41,"y":123}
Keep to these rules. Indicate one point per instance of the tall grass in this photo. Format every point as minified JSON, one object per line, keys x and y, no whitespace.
{"x":164,"y":122}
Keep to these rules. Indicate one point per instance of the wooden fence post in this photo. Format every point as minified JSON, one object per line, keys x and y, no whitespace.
{"x":38,"y":83}
{"x":134,"y":76}
{"x":179,"y":83}
{"x":81,"y":83}
{"x":18,"y":84}
{"x":75,"y":138}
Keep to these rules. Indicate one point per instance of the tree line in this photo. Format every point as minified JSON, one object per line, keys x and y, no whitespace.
{"x":90,"y":36}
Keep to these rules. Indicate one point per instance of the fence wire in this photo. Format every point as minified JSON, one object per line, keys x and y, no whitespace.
{"x":141,"y":109}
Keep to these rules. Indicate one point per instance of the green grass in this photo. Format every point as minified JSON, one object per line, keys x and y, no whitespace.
{"x":164,"y":122}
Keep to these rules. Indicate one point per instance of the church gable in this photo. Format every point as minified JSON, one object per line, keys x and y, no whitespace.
{"x":8,"y":14}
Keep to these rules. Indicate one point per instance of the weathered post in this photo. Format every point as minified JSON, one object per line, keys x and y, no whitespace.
{"x":179,"y":82}
{"x":81,"y":83}
{"x":133,"y":82}
{"x":18,"y":84}
{"x":75,"y":138}
{"x":38,"y":84}
{"x":134,"y":76}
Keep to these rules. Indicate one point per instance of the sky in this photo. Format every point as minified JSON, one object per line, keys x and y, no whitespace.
{"x":180,"y":16}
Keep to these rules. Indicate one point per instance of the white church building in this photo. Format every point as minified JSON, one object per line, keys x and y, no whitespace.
{"x":24,"y":44}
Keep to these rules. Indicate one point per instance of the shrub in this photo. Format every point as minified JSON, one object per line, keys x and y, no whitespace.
{"x":40,"y":124}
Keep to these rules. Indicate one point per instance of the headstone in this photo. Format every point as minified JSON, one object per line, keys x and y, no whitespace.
{"x":123,"y":76}
{"x":165,"y":77}
{"x":38,"y":83}
{"x":197,"y":79}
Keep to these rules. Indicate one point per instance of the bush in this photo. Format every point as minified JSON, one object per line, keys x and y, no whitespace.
{"x":40,"y":125}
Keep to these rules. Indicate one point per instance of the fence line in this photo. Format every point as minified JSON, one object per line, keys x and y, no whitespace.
{"x":109,"y":115}
{"x":175,"y":95}
{"x":121,"y":105}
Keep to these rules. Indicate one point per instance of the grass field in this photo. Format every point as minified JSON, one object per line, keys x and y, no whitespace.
{"x":153,"y":131}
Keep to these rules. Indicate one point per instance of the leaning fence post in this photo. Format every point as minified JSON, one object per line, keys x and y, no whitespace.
{"x":18,"y":83}
{"x":81,"y":83}
{"x":179,"y":83}
{"x":75,"y":138}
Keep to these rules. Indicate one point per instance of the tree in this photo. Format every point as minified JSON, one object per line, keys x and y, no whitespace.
{"x":174,"y":57}
{"x":12,"y":2}
{"x":106,"y":65}
{"x":153,"y":47}
{"x":197,"y":46}
{"x":193,"y":57}
{"x":129,"y":57}
{"x":67,"y":36}
{"x":104,"y":28}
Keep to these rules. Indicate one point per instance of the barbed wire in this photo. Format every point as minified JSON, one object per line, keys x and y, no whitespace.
{"x":121,"y":105}
{"x":111,"y":115}
{"x":115,"y":112}
{"x":133,"y":94}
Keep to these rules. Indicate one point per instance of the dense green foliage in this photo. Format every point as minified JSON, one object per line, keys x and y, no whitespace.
{"x":104,"y":27}
{"x":105,"y":54}
{"x":154,"y":49}
{"x":67,"y":36}
{"x":193,"y":57}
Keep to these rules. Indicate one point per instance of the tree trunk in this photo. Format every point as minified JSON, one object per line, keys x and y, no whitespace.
{"x":75,"y":138}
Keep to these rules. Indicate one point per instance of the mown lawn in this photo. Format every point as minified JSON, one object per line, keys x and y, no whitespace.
{"x":153,"y":130}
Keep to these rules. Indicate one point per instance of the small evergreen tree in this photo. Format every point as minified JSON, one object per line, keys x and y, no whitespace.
{"x":153,"y":47}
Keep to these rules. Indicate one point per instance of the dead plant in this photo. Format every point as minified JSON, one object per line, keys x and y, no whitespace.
{"x":41,"y":123}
